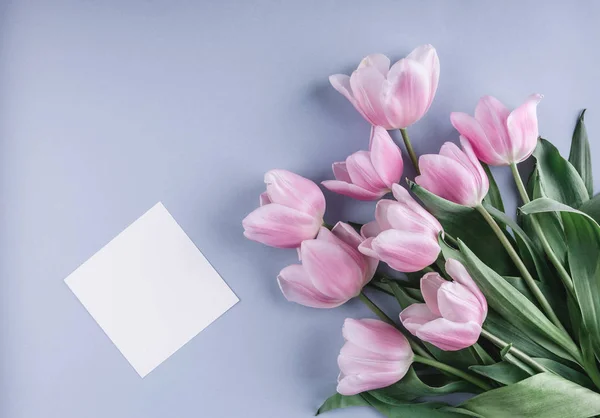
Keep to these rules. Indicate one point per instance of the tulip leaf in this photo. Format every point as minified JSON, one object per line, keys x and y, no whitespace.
{"x":501,"y":372}
{"x":549,"y":222}
{"x":543,"y":395}
{"x":592,"y":207}
{"x":580,"y":156}
{"x":516,"y":308}
{"x":566,"y":372}
{"x":558,"y":178}
{"x":338,"y":401}
{"x":493,"y":197}
{"x":468,"y":225}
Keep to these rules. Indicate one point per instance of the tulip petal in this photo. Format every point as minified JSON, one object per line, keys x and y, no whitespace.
{"x":394,"y":215}
{"x":492,"y":115}
{"x":341,"y":82}
{"x":477,"y":169}
{"x":367,"y":87}
{"x":340,"y":172}
{"x":522,"y":126}
{"x":351,"y":365}
{"x":378,"y":337}
{"x":415,"y":316}
{"x":448,"y":335}
{"x":378,"y":61}
{"x":467,"y":126}
{"x":405,"y":251}
{"x":404,"y":198}
{"x":351,"y":190}
{"x":297,"y":287}
{"x":459,"y":274}
{"x":430,"y":284}
{"x":448,"y":179}
{"x":355,"y":384}
{"x":264,"y":199}
{"x":333,"y":271}
{"x":347,"y":234}
{"x":352,"y":250}
{"x":408,"y":94}
{"x":370,"y":229}
{"x":279,"y":226}
{"x":362,"y":172}
{"x":427,"y":56}
{"x":366,"y":248}
{"x":290,"y":189}
{"x":458,"y":304}
{"x":386,"y":157}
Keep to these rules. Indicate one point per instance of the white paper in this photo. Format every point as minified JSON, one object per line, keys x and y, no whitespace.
{"x":151,"y":290}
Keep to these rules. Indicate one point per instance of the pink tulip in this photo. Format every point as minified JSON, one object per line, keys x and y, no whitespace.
{"x":291,"y":211}
{"x":332,"y":272}
{"x":374,"y":356}
{"x":498,"y":136}
{"x":393,"y":97}
{"x":453,"y":312}
{"x":404,"y":235}
{"x":454,"y":174}
{"x":368,"y":175}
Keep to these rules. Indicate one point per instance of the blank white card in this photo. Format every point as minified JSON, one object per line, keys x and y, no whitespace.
{"x":151,"y":290}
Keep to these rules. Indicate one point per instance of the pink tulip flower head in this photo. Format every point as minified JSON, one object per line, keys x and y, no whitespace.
{"x":393,"y":97}
{"x":332,"y":272}
{"x":497,"y":135}
{"x":454,"y":174}
{"x":368,"y":175}
{"x":453,"y":312}
{"x":404,"y":234}
{"x":291,"y":211}
{"x":374,"y":356}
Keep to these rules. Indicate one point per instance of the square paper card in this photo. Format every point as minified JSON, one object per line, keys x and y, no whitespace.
{"x":151,"y":290}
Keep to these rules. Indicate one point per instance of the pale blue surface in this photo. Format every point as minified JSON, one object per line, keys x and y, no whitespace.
{"x":107,"y":107}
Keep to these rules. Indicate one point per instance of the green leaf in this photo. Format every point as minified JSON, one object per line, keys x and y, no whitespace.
{"x":515,"y":336}
{"x":493,"y":197}
{"x":566,"y":372}
{"x":411,"y":387}
{"x":502,"y":372}
{"x":468,"y":225}
{"x":543,"y":395}
{"x":580,"y":154}
{"x":592,"y":207}
{"x":516,"y":308}
{"x":338,"y":401}
{"x":558,"y":178}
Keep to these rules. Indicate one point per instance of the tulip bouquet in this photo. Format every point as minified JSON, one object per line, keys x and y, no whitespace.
{"x":505,"y":308}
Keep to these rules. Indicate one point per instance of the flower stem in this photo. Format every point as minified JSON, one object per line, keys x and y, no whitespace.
{"x":537,"y":293}
{"x":562,"y":272}
{"x":410,"y":150}
{"x":514,"y":351}
{"x":454,"y":371}
{"x":383,"y":316}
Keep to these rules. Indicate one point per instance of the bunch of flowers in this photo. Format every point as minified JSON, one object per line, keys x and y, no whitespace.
{"x":505,"y":308}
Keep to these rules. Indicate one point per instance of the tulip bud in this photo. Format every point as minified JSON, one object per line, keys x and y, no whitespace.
{"x":374,"y":356}
{"x":453,"y":312}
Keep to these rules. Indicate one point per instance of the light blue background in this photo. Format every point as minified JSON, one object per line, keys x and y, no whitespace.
{"x":107,"y":107}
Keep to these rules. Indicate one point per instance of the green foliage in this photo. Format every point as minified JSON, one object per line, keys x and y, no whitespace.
{"x":580,"y":156}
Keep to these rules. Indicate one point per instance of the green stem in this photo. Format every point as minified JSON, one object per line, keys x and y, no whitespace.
{"x":562,"y":272}
{"x":514,"y":351}
{"x":537,"y":293}
{"x":383,"y":316}
{"x":454,"y":371}
{"x":410,"y":150}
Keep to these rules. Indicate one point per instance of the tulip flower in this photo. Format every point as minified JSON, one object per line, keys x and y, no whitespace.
{"x":368,"y":175}
{"x":453,"y":312}
{"x":404,"y":234}
{"x":374,"y":356}
{"x":393,"y":97}
{"x":454,"y":174}
{"x":498,"y":136}
{"x":291,"y":211}
{"x":332,"y":272}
